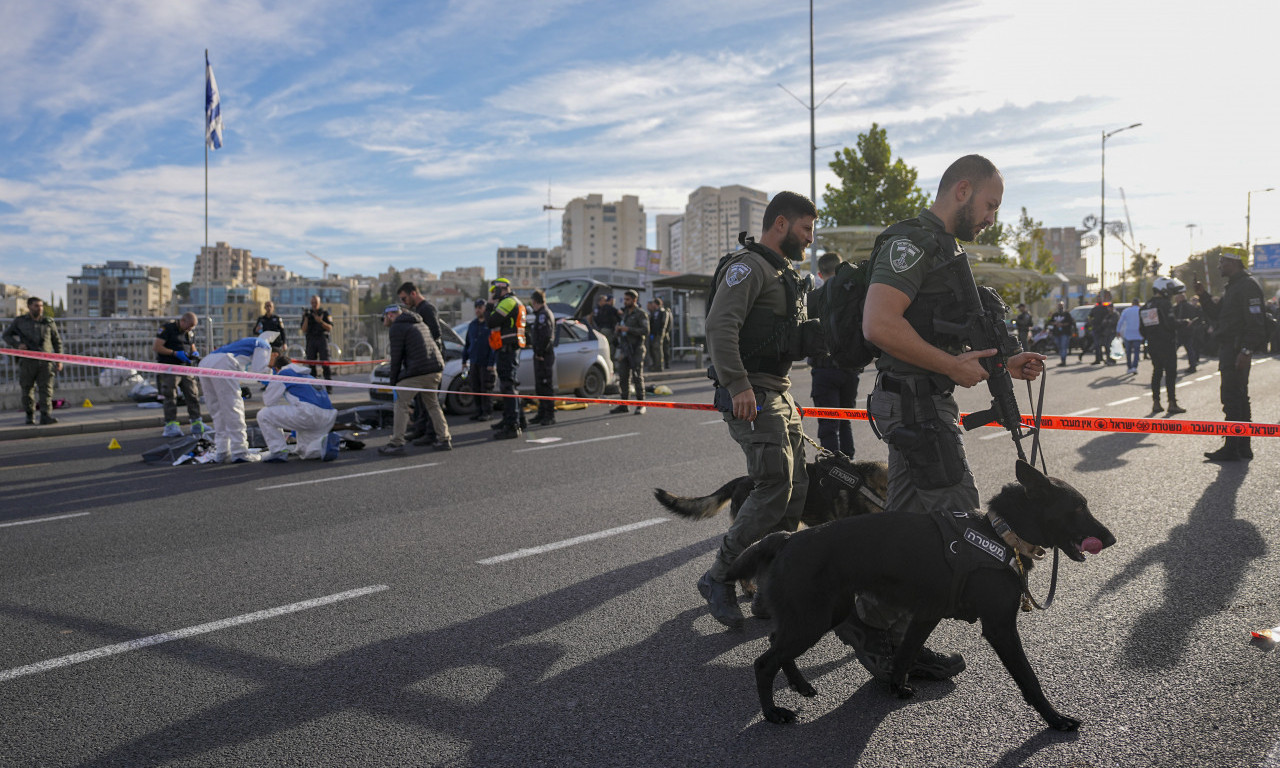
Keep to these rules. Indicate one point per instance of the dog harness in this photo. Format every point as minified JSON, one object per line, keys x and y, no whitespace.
{"x":971,"y":542}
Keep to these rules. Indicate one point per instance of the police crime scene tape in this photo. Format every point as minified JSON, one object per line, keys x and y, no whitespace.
{"x":1073,"y":423}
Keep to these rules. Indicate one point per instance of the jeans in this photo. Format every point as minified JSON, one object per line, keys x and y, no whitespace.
{"x":835,"y":388}
{"x":1132,"y":353}
{"x":1064,"y":345}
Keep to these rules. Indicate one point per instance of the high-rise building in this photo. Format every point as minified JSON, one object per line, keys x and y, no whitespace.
{"x":672,"y":252}
{"x":712,"y":220}
{"x":119,"y":289}
{"x":523,"y":266}
{"x":599,"y":234}
{"x":223,"y":264}
{"x":1064,"y":243}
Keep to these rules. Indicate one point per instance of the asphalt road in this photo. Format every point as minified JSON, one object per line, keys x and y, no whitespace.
{"x":362,"y":612}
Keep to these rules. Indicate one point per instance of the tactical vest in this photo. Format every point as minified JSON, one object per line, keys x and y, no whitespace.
{"x":969,"y":543}
{"x":948,"y":306}
{"x":765,"y":339}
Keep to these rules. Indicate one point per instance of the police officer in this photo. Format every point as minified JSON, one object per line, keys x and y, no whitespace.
{"x":506,"y":320}
{"x":632,"y":332}
{"x":1239,"y":330}
{"x":270,"y":321}
{"x":542,"y":337}
{"x":35,"y":331}
{"x":918,"y":273}
{"x":1160,"y":328}
{"x":758,"y":299}
{"x":1102,"y":324}
{"x":833,"y":386}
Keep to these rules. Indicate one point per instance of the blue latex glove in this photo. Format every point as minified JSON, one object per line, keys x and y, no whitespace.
{"x":182,"y":356}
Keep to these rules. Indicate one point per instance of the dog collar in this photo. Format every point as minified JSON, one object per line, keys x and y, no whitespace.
{"x":1021,"y":546}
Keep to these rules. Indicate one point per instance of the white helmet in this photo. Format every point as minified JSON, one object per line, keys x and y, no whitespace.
{"x":1169,"y":286}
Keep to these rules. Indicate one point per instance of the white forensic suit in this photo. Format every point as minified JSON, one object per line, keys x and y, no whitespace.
{"x":302,"y":407}
{"x":222,"y":395}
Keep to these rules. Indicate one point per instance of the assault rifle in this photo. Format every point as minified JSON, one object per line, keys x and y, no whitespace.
{"x":984,"y":328}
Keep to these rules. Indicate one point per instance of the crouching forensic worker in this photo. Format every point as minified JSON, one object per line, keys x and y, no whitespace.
{"x":302,"y":407}
{"x":250,"y":355}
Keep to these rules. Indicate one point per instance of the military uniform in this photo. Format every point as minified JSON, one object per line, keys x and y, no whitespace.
{"x":35,"y":377}
{"x":918,"y":417}
{"x":632,"y":333}
{"x":751,"y":306}
{"x":1238,"y":326}
{"x":934,"y":475}
{"x":542,"y":338}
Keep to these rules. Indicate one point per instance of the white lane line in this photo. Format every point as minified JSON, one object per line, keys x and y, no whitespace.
{"x":1263,"y":360}
{"x":1181,"y":384}
{"x":179,"y":634}
{"x":347,"y":477}
{"x":575,"y":442}
{"x":43,"y":519}
{"x":1122,"y":402}
{"x":519,"y":553}
{"x":1205,"y":378}
{"x":27,"y":466}
{"x":1081,"y":413}
{"x":713,"y":421}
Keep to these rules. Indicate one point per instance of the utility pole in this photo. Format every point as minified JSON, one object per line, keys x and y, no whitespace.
{"x":813,"y":140}
{"x":1102,"y":231}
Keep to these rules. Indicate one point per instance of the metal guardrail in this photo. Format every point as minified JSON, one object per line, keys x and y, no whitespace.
{"x":355,"y":338}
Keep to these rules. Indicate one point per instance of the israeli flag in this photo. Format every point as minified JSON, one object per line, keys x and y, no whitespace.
{"x":212,"y":108}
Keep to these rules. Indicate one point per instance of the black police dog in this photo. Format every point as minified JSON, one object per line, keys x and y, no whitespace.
{"x":809,"y":580}
{"x":833,"y":494}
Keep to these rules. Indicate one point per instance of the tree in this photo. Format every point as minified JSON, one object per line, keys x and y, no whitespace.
{"x":183,"y":290}
{"x":874,"y":189}
{"x":1026,"y":238}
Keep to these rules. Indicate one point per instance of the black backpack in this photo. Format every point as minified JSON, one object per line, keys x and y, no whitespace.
{"x":844,"y":296}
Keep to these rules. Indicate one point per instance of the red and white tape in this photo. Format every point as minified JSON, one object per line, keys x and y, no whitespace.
{"x":1086,"y":424}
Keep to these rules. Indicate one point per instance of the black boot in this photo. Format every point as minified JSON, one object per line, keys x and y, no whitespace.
{"x":31,"y":417}
{"x":1174,"y":408}
{"x":1156,"y":407}
{"x":45,"y":418}
{"x":723,"y":600}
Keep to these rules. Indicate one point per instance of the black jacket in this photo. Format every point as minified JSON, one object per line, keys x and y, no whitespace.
{"x":427,"y":312}
{"x":1237,"y":316}
{"x":413,"y":353}
{"x":542,"y":331}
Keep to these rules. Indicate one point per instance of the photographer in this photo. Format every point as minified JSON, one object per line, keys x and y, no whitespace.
{"x":316,"y":325}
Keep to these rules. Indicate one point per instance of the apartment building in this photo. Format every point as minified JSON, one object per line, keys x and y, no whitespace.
{"x":119,"y":289}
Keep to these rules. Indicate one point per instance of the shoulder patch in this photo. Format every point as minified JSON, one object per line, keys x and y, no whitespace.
{"x":904,"y":254}
{"x":736,"y":273}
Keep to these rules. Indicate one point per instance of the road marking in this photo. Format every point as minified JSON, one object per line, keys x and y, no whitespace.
{"x":519,"y":553}
{"x":713,"y":421}
{"x":1081,"y":413}
{"x":43,"y":519}
{"x":1122,"y":402}
{"x":576,"y":442}
{"x":180,"y":634}
{"x":347,"y":477}
{"x":1184,"y":384}
{"x":1205,"y":378}
{"x":27,"y":466}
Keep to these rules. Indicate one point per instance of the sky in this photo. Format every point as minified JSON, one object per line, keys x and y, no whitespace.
{"x":430,"y":134}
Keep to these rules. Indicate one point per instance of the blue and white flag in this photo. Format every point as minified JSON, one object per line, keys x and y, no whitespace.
{"x":212,"y":108}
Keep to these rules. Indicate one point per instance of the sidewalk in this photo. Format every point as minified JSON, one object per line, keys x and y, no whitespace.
{"x":120,"y":416}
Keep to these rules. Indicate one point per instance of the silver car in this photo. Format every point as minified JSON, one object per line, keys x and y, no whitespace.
{"x":582,"y":366}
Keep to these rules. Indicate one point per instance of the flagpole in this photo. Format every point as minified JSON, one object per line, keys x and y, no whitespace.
{"x":206,"y":195}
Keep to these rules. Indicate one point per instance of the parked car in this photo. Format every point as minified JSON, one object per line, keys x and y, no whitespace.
{"x":582,"y":367}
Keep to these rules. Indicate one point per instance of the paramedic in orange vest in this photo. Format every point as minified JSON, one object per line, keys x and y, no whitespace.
{"x":506,"y":335}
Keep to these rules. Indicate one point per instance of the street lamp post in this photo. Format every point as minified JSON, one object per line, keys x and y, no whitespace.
{"x":1102,"y":225}
{"x":1248,"y":223}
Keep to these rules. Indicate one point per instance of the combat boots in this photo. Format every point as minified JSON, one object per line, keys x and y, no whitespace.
{"x":1174,"y":408}
{"x":723,"y":599}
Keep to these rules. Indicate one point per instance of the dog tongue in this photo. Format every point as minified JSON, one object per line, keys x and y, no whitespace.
{"x":1092,"y":545}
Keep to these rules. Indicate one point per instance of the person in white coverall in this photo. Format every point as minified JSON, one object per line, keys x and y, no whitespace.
{"x":222,"y":395}
{"x":303,"y":408}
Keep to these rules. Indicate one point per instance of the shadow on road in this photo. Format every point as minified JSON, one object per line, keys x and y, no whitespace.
{"x":1204,"y":560}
